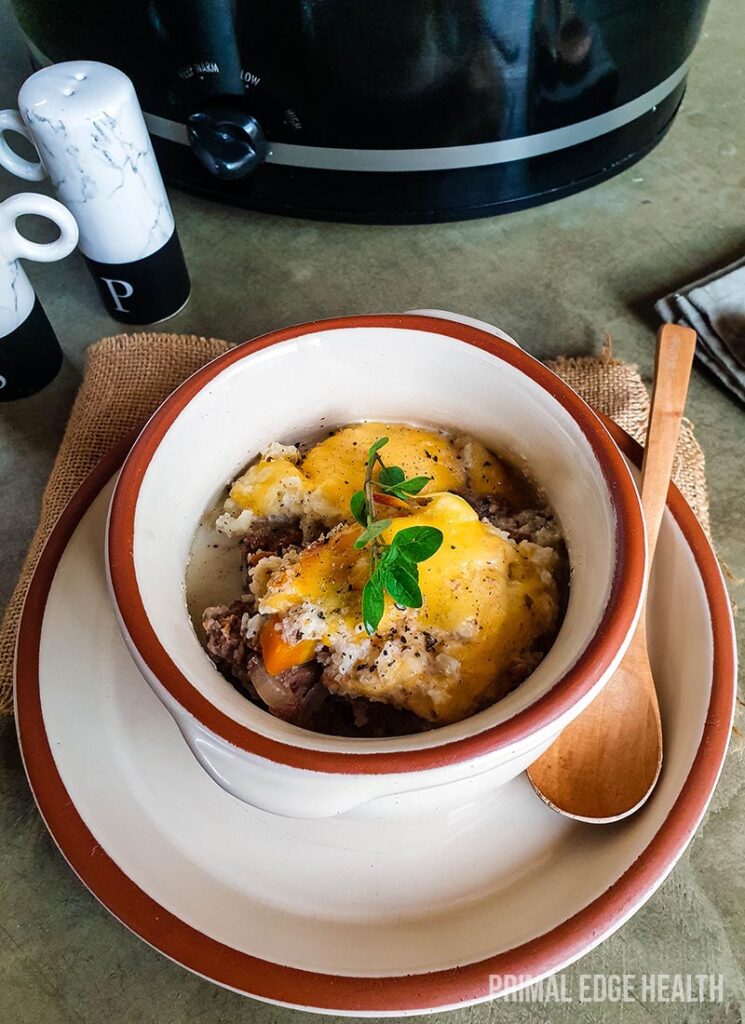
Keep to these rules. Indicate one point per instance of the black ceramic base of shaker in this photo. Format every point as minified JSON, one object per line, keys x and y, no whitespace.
{"x":30,"y":357}
{"x":145,"y":291}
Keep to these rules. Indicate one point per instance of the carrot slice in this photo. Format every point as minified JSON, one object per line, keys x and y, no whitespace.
{"x":392,"y":501}
{"x":278,"y":654}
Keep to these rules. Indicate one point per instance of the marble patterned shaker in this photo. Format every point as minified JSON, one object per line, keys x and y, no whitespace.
{"x":85,"y":121}
{"x":30,"y":355}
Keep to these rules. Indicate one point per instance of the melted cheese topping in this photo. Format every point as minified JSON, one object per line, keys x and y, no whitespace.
{"x":321,"y":485}
{"x":486,"y":603}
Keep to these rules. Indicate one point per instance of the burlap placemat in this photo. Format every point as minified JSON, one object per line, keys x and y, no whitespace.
{"x":128,"y":376}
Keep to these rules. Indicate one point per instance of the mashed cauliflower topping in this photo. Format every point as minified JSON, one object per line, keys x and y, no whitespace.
{"x":491,"y":603}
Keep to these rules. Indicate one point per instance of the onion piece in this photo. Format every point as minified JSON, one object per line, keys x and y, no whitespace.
{"x":271,"y":691}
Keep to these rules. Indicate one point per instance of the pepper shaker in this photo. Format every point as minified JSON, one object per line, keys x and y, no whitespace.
{"x":87,"y":126}
{"x":30,"y":355}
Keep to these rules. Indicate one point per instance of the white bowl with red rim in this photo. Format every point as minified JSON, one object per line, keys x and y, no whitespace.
{"x":291,"y":383}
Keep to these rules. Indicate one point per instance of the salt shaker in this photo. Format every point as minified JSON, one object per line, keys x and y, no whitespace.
{"x":87,"y":126}
{"x":30,"y":355}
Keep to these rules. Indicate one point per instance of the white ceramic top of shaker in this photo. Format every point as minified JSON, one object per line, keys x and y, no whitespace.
{"x":87,"y":124}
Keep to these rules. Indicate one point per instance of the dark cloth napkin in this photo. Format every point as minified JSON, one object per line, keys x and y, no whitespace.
{"x":715,"y":308}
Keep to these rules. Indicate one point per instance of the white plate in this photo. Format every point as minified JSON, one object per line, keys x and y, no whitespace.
{"x":397,"y":908}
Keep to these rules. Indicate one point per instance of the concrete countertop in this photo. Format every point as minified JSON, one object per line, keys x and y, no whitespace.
{"x":557,"y":278}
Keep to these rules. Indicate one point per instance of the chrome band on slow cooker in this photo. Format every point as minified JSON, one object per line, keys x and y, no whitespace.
{"x":448,"y":157}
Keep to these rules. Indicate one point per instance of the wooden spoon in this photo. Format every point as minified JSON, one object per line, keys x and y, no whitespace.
{"x":606,"y":762}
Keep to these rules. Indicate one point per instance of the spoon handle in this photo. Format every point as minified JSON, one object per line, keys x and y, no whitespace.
{"x":672,"y":371}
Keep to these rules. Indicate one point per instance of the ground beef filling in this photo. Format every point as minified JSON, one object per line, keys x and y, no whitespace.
{"x":538,"y":525}
{"x":227,"y":645}
{"x":268,"y":537}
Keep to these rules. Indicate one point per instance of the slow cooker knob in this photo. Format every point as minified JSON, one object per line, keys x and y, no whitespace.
{"x":229,"y":143}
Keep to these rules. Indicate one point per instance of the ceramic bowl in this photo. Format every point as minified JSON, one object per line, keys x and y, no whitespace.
{"x":292,"y":383}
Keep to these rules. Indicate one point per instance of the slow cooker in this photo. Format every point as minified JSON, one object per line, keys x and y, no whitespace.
{"x":387,"y":110}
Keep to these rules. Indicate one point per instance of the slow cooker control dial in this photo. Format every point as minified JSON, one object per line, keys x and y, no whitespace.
{"x":229,"y":143}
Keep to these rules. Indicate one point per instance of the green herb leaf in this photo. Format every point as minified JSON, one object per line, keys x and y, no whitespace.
{"x":413,"y":486}
{"x":374,"y":448}
{"x":395,"y":566}
{"x":417,"y":543}
{"x":400,"y":579}
{"x":372,"y":532}
{"x":358,"y":505}
{"x":373,"y":603}
{"x":391,"y":475}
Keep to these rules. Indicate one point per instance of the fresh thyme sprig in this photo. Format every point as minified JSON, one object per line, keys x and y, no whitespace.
{"x":394,"y":566}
